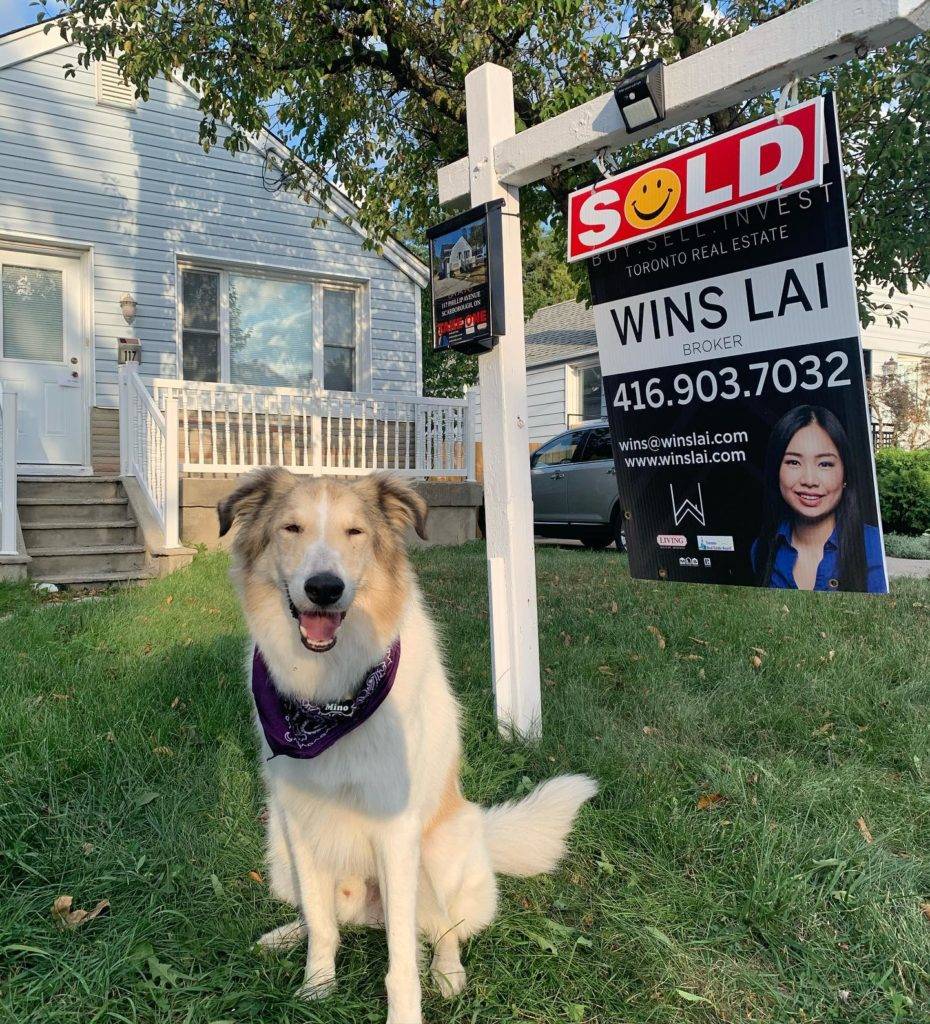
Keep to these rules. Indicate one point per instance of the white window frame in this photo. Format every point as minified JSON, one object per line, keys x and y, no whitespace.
{"x":362,"y":362}
{"x":576,"y":405}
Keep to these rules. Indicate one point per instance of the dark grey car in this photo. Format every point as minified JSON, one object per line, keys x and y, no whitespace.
{"x":575,"y":487}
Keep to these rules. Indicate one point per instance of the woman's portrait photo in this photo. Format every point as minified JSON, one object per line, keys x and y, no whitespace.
{"x":814,"y":535}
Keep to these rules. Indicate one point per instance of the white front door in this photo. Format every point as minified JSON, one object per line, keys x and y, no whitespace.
{"x":41,"y":356}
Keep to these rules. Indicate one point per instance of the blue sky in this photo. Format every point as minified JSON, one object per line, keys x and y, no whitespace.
{"x":16,"y":13}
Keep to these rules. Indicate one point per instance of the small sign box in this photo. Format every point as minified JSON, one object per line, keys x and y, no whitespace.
{"x":466,"y":279}
{"x":777,"y":155}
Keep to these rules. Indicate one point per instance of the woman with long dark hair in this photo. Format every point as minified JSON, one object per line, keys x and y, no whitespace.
{"x":813,"y":536}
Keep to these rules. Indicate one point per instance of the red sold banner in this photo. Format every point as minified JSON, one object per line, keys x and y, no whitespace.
{"x":774,"y":156}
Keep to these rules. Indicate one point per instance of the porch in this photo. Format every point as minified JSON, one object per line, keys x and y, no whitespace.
{"x":183,"y":430}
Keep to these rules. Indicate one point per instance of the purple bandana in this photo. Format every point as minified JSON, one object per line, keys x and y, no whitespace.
{"x":300,"y":728}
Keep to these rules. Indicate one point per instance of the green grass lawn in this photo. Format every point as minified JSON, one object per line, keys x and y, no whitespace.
{"x":724,"y":873}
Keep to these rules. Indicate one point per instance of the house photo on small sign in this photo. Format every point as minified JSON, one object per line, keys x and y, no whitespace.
{"x":466,"y":279}
{"x":735,"y":390}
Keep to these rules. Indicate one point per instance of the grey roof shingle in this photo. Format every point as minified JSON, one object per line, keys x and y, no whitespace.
{"x":561,"y":331}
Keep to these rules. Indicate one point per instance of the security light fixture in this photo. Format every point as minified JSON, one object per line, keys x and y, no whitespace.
{"x":890,"y":367}
{"x":641,"y":96}
{"x":128,"y":307}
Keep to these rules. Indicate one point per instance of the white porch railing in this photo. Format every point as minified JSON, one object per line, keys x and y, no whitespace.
{"x":7,"y":472}
{"x":195,"y":427}
{"x":147,"y":437}
{"x":232,"y":428}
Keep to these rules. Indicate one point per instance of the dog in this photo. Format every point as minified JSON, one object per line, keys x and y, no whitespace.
{"x":374,"y":829}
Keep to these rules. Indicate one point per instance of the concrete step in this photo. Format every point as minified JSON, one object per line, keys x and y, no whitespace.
{"x":69,"y":487}
{"x":90,"y":579}
{"x":96,"y":561}
{"x":67,"y":533}
{"x":77,"y":510}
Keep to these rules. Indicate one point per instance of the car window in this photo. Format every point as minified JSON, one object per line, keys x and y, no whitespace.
{"x":559,"y":449}
{"x":598,"y":446}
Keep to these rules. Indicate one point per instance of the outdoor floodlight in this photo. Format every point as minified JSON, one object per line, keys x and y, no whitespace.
{"x":890,"y":367}
{"x":641,"y":96}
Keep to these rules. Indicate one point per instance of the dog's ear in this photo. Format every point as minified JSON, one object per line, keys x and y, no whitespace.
{"x":398,"y":502}
{"x":252,"y":495}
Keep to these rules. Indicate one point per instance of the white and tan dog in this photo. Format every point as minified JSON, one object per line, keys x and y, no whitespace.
{"x":375,"y":830}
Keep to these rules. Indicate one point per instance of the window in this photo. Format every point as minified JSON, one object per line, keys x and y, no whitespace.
{"x":261,"y":330}
{"x":598,"y":446}
{"x":560,"y":449}
{"x":32,"y":320}
{"x":589,"y":392}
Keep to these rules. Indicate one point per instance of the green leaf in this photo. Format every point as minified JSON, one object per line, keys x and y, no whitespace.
{"x":146,"y":798}
{"x":690,"y":997}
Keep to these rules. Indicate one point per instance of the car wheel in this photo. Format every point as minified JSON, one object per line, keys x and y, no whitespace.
{"x":618,"y":529}
{"x":596,"y":540}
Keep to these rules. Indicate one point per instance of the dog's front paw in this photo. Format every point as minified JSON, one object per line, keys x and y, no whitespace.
{"x":313,"y":990}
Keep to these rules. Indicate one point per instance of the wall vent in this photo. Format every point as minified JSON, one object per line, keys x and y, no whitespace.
{"x":111,"y":88}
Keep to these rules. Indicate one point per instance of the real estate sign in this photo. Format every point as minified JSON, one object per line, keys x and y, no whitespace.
{"x":465,"y":280}
{"x":733,"y":377}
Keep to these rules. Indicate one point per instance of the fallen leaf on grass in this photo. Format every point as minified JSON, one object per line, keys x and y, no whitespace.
{"x":925,"y":910}
{"x":650,"y":730}
{"x":657,"y":633}
{"x":67,"y":919}
{"x":614,"y":608}
{"x":145,"y":798}
{"x":823,"y":730}
{"x":169,"y":599}
{"x":864,"y":830}
{"x":257,"y":877}
{"x":164,"y":751}
{"x":61,"y":696}
{"x":755,"y":661}
{"x":690,"y":997}
{"x":697,"y":640}
{"x":87,"y":849}
{"x":708,"y":800}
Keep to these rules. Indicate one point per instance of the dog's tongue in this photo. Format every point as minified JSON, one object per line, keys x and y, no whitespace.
{"x":320,"y":627}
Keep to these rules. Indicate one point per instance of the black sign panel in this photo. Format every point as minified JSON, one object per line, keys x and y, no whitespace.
{"x":735,"y":389}
{"x":465,"y":279}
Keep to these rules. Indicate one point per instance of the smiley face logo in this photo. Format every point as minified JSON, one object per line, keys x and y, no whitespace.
{"x":652,"y":198}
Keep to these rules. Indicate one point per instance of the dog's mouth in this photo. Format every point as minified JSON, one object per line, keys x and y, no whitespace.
{"x":317,"y":629}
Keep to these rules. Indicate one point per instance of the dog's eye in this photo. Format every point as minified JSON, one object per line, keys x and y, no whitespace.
{"x":354,"y":531}
{"x":292,"y":528}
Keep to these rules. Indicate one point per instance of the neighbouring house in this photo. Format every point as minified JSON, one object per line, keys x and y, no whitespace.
{"x":260,"y":328}
{"x":563,"y":373}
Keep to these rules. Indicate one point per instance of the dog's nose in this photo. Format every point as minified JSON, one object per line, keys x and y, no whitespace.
{"x":324,"y":588}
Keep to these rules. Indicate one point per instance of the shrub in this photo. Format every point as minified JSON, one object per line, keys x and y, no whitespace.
{"x":899,"y":546}
{"x":904,"y":490}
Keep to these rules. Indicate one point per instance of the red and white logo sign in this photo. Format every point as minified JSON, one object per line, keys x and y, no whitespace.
{"x":671,"y":540}
{"x":774,"y":156}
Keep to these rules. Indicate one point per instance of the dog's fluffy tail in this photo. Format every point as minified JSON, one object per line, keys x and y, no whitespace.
{"x":527,"y":837}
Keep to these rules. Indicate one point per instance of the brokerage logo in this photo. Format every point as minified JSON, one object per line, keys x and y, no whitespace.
{"x":688,"y":507}
{"x":671,"y":540}
{"x":711,"y":543}
{"x":691,"y":562}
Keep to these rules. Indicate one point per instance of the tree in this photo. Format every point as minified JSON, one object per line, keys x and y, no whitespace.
{"x":372,"y":96}
{"x":899,"y":402}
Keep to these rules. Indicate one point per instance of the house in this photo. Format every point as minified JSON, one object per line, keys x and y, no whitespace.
{"x":256,"y":335}
{"x":563,"y":374}
{"x":455,"y":256}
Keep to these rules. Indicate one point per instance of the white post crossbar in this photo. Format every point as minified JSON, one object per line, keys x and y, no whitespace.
{"x":803,"y":42}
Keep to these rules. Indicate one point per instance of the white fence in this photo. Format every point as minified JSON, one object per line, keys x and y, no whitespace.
{"x":7,"y":472}
{"x":231,"y":428}
{"x":206,"y":428}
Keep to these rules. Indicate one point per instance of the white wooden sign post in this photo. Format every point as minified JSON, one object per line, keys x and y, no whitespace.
{"x":803,"y":42}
